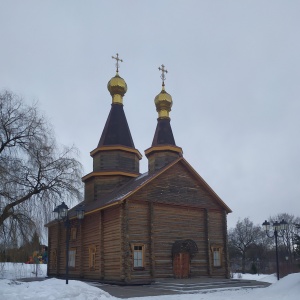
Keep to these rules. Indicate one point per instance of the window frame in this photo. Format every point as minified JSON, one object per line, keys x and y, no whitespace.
{"x":92,"y":257}
{"x":217,"y":262}
{"x":73,"y":234}
{"x":72,"y":258}
{"x":140,"y":258}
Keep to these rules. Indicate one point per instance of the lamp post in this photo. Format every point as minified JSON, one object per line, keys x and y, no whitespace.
{"x":258,"y":265}
{"x":287,"y":264}
{"x":61,"y":212}
{"x":278,"y":231}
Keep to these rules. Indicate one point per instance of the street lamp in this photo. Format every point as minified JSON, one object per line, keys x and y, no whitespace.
{"x":287,"y":264}
{"x":278,"y":231}
{"x":61,"y":212}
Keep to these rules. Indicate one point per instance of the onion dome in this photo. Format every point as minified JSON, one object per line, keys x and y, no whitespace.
{"x":163,"y":102}
{"x":117,"y":88}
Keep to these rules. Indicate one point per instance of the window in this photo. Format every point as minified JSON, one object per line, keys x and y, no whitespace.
{"x":92,"y":257}
{"x":72,"y":257}
{"x":138,"y":256}
{"x":217,"y":251}
{"x":73,"y":234}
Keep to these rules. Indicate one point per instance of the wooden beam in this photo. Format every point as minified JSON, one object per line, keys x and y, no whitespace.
{"x":226,"y":254}
{"x":81,"y":249}
{"x":208,"y":252}
{"x":108,"y":173}
{"x":151,"y":242}
{"x":112,"y":148}
{"x":102,"y":271}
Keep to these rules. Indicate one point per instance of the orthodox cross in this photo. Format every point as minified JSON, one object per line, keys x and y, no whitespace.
{"x":117,"y":59}
{"x":163,"y":71}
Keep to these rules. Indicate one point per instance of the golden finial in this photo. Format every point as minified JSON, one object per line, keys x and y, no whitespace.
{"x":117,"y":85}
{"x":163,"y":76}
{"x":117,"y":59}
{"x":163,"y":101}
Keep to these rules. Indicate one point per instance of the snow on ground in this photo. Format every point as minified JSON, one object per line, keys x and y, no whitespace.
{"x":288,"y":288}
{"x":261,"y":277}
{"x":22,"y":270}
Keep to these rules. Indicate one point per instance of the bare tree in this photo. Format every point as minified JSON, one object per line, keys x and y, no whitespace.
{"x":35,"y":174}
{"x":287,"y":241}
{"x":243,"y":237}
{"x":297,"y":240}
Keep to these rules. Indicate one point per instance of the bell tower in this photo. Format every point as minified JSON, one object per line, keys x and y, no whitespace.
{"x":163,"y":149}
{"x":115,"y":160}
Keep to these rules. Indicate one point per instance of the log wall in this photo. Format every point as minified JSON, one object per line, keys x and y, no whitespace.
{"x":217,"y":237}
{"x":57,"y":242}
{"x":53,"y":247}
{"x":172,"y":224}
{"x":112,"y":255}
{"x":117,"y":160}
{"x":177,"y":207}
{"x":91,"y":238}
{"x":179,"y":188}
{"x":158,"y":160}
{"x":89,"y":189}
{"x":159,"y":226}
{"x":99,"y":186}
{"x":138,"y":233}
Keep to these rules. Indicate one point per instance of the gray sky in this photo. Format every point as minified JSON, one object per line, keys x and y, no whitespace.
{"x":234,"y":69}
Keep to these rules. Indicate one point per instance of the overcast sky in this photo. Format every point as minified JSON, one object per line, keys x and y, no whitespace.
{"x":233,"y":72}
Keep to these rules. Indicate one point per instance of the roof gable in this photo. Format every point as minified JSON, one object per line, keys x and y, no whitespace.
{"x":180,"y":184}
{"x":143,"y":182}
{"x":205,"y":185}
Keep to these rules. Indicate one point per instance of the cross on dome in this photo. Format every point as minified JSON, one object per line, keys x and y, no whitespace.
{"x":117,"y":59}
{"x":163,"y":71}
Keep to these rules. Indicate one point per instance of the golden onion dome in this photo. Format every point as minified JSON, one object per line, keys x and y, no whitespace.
{"x":163,"y":102}
{"x":117,"y":88}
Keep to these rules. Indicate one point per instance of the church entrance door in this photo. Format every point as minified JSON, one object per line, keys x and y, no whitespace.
{"x":181,"y":265}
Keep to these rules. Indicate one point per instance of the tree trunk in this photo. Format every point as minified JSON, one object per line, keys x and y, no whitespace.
{"x":244,"y":263}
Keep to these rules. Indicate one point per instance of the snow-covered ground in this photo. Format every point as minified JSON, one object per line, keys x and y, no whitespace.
{"x":21,"y":270}
{"x":261,"y":277}
{"x":287,"y":288}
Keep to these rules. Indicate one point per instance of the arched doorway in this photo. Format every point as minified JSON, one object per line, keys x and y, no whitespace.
{"x":183,"y":251}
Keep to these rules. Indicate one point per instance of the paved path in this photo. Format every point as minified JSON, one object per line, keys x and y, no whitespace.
{"x":184,"y":286}
{"x":171,"y":286}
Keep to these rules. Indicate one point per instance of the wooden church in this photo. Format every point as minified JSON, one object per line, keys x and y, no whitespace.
{"x":165,"y":223}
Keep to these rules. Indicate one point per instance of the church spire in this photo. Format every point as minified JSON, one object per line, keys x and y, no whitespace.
{"x":115,"y":160}
{"x":163,"y":149}
{"x":116,"y":130}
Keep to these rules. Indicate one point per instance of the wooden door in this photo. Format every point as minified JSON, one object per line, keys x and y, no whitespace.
{"x":181,"y":265}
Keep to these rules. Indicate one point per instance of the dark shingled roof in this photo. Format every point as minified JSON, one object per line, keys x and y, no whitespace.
{"x":114,"y":196}
{"x":163,"y":133}
{"x":116,"y":130}
{"x":122,"y":192}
